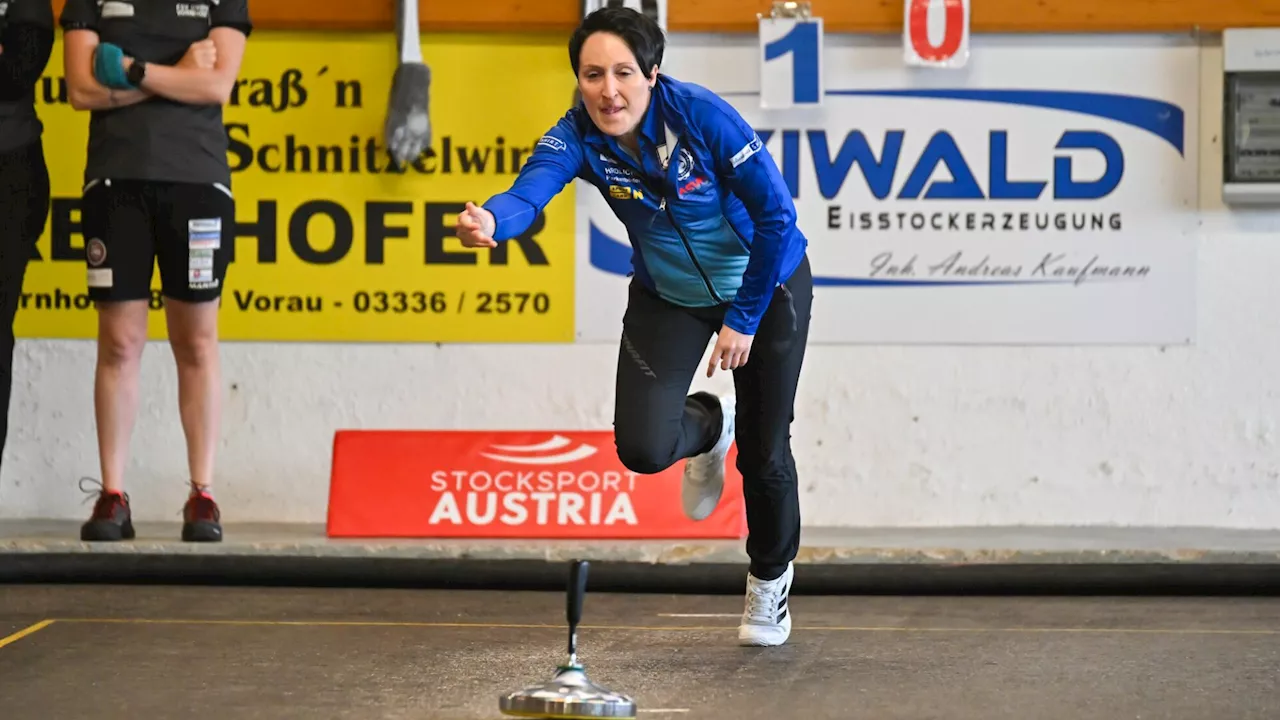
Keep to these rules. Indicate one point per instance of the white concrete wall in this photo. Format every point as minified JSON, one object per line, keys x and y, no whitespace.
{"x":884,"y":436}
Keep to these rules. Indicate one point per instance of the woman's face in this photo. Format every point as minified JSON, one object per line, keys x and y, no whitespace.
{"x":614,"y":89}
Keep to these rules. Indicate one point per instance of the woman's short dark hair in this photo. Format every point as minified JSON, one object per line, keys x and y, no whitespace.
{"x":636,"y":29}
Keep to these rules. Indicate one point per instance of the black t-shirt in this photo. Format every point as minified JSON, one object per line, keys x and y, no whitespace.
{"x":157,"y":139}
{"x":26,"y":34}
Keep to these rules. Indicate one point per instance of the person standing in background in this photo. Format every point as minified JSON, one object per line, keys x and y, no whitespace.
{"x":155,"y":76}
{"x":26,"y":43}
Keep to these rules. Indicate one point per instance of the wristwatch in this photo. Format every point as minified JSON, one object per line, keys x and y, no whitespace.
{"x":137,"y":71}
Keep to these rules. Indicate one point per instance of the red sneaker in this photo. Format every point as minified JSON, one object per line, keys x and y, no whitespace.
{"x":111,"y":519}
{"x":200,"y":519}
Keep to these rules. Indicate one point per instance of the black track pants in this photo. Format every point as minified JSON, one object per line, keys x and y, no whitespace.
{"x":657,"y":422}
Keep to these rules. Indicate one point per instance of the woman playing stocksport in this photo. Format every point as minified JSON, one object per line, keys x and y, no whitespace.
{"x":154,"y":76}
{"x":716,"y":251}
{"x":26,"y":43}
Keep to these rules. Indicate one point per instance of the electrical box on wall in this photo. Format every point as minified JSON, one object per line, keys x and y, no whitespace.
{"x":1251,"y":117}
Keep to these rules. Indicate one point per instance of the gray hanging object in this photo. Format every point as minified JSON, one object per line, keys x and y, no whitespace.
{"x":408,"y":123}
{"x":653,"y":9}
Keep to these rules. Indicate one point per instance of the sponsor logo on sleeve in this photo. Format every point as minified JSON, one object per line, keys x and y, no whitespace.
{"x":746,"y":152}
{"x":552,"y":143}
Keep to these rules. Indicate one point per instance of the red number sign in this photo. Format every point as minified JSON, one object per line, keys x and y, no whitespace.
{"x":920,"y":48}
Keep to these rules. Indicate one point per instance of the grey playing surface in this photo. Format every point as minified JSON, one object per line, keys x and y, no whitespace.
{"x":336,"y":653}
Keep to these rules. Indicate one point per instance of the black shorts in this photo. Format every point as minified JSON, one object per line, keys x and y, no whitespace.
{"x":130,"y":226}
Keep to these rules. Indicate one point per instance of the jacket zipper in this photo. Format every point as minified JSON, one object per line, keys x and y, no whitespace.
{"x":688,"y":248}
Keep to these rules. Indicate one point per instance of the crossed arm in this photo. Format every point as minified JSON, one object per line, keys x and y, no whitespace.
{"x":184,"y":82}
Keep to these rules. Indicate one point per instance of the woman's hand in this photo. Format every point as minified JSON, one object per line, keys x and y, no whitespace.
{"x":731,"y":351}
{"x":475,"y":227}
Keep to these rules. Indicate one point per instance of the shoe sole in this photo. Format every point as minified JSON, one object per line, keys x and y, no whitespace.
{"x":699,"y":500}
{"x":705,"y":499}
{"x":763,"y":642}
{"x":769,"y":638}
{"x":201,"y":532}
{"x":104,"y":531}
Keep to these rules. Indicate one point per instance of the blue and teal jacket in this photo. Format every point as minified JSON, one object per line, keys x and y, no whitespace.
{"x":709,"y":216}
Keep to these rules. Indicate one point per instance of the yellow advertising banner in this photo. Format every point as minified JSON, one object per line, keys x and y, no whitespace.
{"x":334,"y":241}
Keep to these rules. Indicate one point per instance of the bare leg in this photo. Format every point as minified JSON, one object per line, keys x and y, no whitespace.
{"x":122,"y":334}
{"x":193,"y":337}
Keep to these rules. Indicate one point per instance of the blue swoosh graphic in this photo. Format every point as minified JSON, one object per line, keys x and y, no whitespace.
{"x":613,"y":257}
{"x":823,"y":281}
{"x":1162,"y":119}
{"x":608,"y":254}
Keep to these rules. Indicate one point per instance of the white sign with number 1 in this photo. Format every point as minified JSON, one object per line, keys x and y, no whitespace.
{"x":790,"y":62}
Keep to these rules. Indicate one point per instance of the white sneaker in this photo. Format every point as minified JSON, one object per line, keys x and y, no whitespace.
{"x":704,"y":474}
{"x":767,"y":618}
